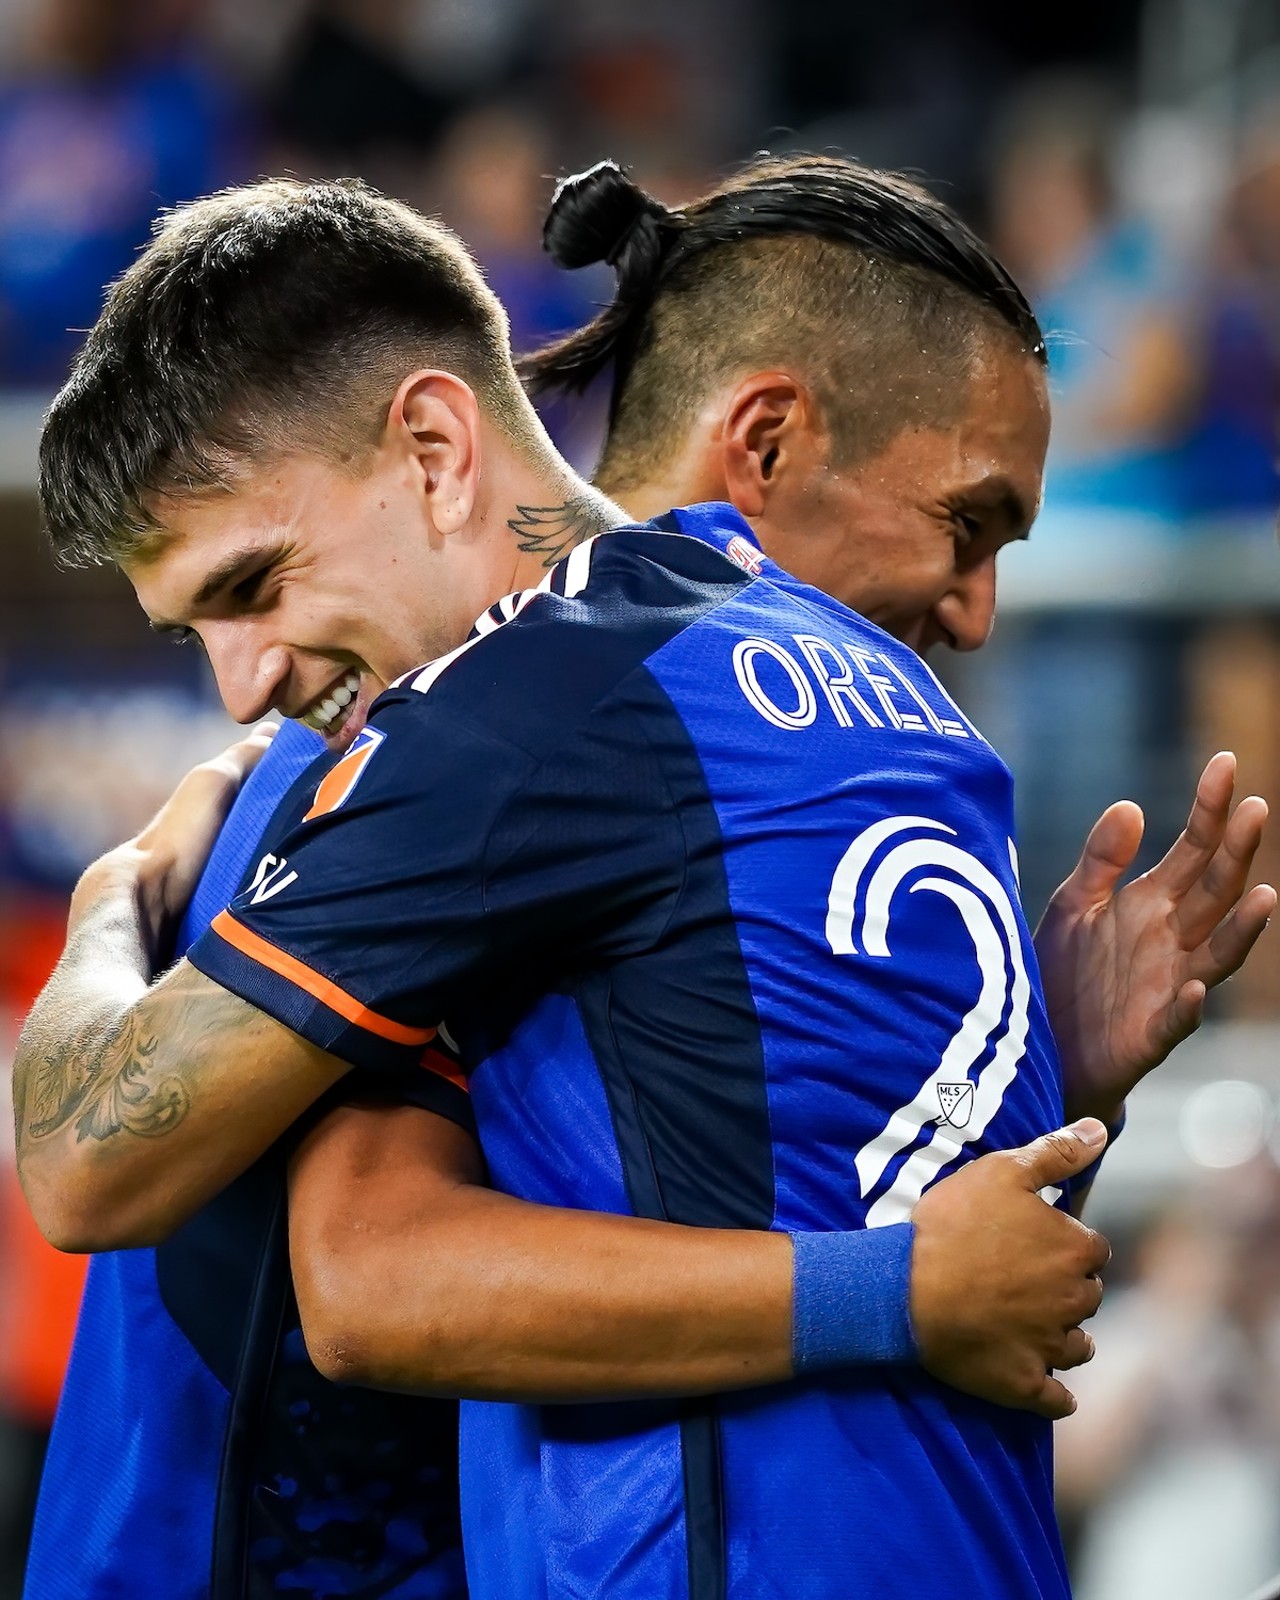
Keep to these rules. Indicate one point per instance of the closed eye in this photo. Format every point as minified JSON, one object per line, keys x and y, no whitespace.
{"x":971,"y":527}
{"x":175,"y":631}
{"x":249,"y":588}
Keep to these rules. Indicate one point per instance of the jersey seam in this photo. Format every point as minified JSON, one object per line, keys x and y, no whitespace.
{"x":742,"y":955}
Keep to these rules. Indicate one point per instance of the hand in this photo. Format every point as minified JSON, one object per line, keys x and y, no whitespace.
{"x":1000,"y":1281}
{"x":1126,"y":971}
{"x":163,"y":863}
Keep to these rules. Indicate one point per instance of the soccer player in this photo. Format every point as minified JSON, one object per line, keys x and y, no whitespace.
{"x":274,"y":884}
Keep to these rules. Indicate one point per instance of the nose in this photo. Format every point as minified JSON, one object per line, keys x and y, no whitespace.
{"x":968,"y":609}
{"x":250,"y":672}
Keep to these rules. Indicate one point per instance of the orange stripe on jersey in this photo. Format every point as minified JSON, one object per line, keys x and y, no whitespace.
{"x":437,"y":1061}
{"x":341,"y":779}
{"x":329,"y":994}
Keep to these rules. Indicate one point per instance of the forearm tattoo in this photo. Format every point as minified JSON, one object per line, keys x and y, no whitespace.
{"x":103,"y":1083}
{"x":122,"y":1071}
{"x":552,"y":531}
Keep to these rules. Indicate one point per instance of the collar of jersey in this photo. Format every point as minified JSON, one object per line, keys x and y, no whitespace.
{"x":716,"y":523}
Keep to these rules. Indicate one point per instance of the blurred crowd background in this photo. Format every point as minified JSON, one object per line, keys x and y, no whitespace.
{"x":1124,"y":156}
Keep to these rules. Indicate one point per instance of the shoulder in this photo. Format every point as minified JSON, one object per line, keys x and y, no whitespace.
{"x":541,"y":661}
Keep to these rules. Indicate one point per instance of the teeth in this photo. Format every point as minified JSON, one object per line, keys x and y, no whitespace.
{"x":330,"y":713}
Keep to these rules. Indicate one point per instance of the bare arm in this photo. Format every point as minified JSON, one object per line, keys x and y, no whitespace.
{"x":134,"y":1105}
{"x":136,"y":1101}
{"x":411,"y":1275}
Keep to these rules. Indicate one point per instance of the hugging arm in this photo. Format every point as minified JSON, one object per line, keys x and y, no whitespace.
{"x":134,"y":1104}
{"x":137,"y":1100}
{"x":411,"y":1274}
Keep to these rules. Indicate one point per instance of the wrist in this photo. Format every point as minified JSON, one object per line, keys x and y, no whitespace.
{"x":1104,"y":1104}
{"x":851,"y":1298}
{"x":111,"y":879}
{"x":1076,"y":1186}
{"x":120,"y":897}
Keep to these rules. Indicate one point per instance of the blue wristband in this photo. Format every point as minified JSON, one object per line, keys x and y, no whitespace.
{"x":1076,"y":1186}
{"x":850,"y":1300}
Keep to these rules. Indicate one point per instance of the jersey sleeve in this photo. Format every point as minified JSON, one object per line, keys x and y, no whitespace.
{"x":440,"y":866}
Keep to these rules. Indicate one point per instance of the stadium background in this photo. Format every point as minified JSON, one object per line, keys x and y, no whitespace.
{"x":1124,"y":155}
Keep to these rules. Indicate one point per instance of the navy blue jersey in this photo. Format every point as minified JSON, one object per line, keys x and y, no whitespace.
{"x":714,"y":889}
{"x":197,"y":1454}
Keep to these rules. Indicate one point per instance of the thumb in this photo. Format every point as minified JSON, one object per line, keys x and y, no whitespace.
{"x":1062,"y":1153}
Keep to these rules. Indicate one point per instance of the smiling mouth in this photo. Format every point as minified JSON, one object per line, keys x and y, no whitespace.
{"x":328,"y":713}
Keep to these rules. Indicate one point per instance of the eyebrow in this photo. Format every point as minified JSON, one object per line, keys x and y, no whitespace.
{"x":247,"y":557}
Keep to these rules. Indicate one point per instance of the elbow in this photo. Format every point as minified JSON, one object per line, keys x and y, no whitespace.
{"x":341,"y":1355}
{"x":68,"y":1228}
{"x":343,"y":1347}
{"x":77,"y":1220}
{"x":338,"y":1312}
{"x":351,"y":1329}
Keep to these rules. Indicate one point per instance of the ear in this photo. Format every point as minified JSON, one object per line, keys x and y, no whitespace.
{"x":434,"y":424}
{"x":771,"y":427}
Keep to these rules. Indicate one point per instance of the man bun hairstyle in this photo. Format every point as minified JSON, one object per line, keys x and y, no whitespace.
{"x":274,"y":318}
{"x":810,"y":258}
{"x":601,"y":215}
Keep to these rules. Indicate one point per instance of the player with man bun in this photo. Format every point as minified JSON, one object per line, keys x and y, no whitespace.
{"x":549,"y":530}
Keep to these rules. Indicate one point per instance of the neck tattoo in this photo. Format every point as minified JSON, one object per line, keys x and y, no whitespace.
{"x":552,"y":531}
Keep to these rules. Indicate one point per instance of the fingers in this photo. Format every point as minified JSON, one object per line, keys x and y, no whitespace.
{"x":1054,"y":1400}
{"x":1108,"y":854}
{"x":1184,"y":1015}
{"x":1226,"y":951}
{"x":1194,"y":847}
{"x":1060,"y":1154}
{"x":244,"y":755}
{"x":1077,"y":1349}
{"x":1226,"y":873}
{"x":1096,"y":1257}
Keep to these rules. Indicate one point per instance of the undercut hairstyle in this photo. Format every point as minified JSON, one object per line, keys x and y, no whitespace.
{"x":267,"y":320}
{"x":858,"y":281}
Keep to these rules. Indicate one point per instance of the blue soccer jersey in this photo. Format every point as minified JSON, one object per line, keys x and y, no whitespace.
{"x":714,"y":889}
{"x":197,"y":1454}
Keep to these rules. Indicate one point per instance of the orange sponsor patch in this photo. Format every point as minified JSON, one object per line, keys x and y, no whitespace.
{"x":337,"y":784}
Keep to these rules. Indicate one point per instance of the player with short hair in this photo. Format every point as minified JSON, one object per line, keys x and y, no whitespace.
{"x":268,"y":887}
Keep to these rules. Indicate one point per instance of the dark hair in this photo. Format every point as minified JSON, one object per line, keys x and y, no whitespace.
{"x":276,"y":317}
{"x":810,"y":247}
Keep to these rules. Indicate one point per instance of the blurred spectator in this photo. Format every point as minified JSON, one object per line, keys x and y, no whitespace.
{"x":83,"y":767}
{"x":1106,"y":295}
{"x":1101,"y":684}
{"x":108,"y":112}
{"x":369,"y":83}
{"x":1229,"y":459}
{"x":1174,"y":1454}
{"x":493,"y":182}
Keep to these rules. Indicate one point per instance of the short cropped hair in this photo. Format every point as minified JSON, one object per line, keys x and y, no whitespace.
{"x":869,"y":284}
{"x":267,"y":319}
